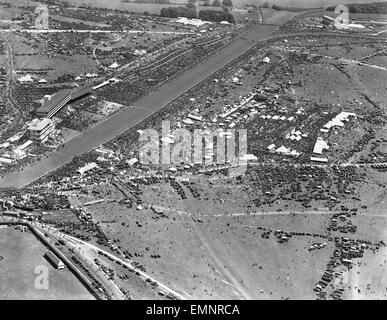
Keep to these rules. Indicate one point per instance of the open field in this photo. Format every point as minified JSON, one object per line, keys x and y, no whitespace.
{"x":118,"y":4}
{"x":221,"y":232}
{"x":218,"y":272}
{"x":22,"y":253}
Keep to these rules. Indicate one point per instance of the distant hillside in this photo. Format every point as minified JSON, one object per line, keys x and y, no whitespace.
{"x":130,"y":5}
{"x":305,"y":4}
{"x":375,"y":7}
{"x":293,"y":9}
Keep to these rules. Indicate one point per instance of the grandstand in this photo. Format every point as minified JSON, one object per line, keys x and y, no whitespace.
{"x":53,"y":104}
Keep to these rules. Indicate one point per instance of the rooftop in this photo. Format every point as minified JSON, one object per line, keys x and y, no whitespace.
{"x":50,"y":255}
{"x":38,"y":125}
{"x":339,"y":119}
{"x":320,"y":145}
{"x":26,"y":78}
{"x":87,"y":167}
{"x":54,"y":101}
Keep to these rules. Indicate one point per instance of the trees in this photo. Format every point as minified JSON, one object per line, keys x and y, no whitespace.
{"x":191,"y":9}
{"x":215,"y":15}
{"x":266,"y":5}
{"x":227,"y":3}
{"x":191,"y":13}
{"x":191,"y":4}
{"x":175,"y":12}
{"x":216,"y":3}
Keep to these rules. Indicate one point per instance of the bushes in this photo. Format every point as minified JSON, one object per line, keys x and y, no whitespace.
{"x":207,"y":15}
{"x":292,"y":9}
{"x":153,"y":1}
{"x":266,"y":5}
{"x":227,"y":3}
{"x":175,"y":12}
{"x":216,"y":16}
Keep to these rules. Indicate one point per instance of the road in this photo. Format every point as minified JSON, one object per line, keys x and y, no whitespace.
{"x":85,"y":248}
{"x":221,"y":265}
{"x":114,"y":290}
{"x":93,"y":31}
{"x":335,"y":58}
{"x":10,"y":58}
{"x":85,"y":257}
{"x":263,"y":213}
{"x":88,"y":257}
{"x":8,"y":90}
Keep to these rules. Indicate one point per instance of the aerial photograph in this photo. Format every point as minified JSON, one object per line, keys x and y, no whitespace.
{"x":199,"y":150}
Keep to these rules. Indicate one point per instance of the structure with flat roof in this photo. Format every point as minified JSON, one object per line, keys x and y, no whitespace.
{"x":320,"y":146}
{"x":7,"y":160}
{"x":87,"y":167}
{"x":40,"y":129}
{"x":318,"y":159}
{"x":53,"y":104}
{"x":51,"y":257}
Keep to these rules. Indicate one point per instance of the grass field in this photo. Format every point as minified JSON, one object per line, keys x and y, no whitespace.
{"x":22,"y":253}
{"x":118,"y":4}
{"x":132,"y":7}
{"x":155,"y":8}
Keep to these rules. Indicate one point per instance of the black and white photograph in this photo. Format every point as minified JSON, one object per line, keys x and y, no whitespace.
{"x":193,"y":154}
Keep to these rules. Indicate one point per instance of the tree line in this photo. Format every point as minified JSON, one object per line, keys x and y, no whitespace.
{"x":375,"y":7}
{"x":190,"y":13}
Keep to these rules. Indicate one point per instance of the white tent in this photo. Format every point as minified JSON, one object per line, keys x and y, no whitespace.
{"x":266,"y":60}
{"x":115,"y":65}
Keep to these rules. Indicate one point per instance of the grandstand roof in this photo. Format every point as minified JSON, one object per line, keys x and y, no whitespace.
{"x":54,"y":101}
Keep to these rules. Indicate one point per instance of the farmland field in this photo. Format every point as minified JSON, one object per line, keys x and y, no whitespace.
{"x":118,"y":4}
